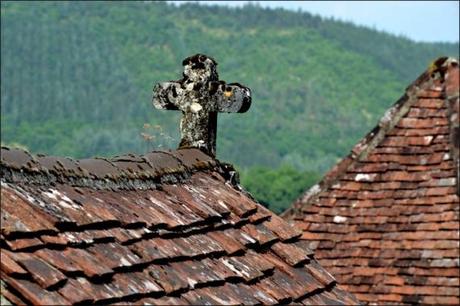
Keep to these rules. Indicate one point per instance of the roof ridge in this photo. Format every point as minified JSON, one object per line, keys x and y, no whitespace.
{"x":437,"y":71}
{"x":129,"y":171}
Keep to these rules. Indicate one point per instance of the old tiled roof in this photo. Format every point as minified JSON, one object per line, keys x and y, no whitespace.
{"x":385,"y":220}
{"x":161,"y":228}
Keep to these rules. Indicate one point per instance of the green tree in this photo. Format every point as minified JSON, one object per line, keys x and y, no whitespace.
{"x":277,"y":188}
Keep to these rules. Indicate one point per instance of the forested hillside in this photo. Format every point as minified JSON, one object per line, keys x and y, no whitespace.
{"x":77,"y":78}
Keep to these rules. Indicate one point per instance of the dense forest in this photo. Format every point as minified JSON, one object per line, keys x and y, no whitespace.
{"x":77,"y":79}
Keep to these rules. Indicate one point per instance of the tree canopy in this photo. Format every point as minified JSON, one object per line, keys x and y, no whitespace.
{"x":77,"y":79}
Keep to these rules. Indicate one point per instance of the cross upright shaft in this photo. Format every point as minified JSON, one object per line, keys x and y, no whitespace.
{"x":200,"y":95}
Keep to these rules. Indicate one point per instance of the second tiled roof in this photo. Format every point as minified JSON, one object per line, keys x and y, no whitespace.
{"x":385,"y":220}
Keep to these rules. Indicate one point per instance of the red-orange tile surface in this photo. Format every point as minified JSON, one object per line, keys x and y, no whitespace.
{"x":385,"y":220}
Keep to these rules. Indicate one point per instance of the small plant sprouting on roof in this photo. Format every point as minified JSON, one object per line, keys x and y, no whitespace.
{"x":154,"y":136}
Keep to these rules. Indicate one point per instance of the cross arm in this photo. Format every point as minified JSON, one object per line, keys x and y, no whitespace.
{"x":166,"y":95}
{"x":233,"y":98}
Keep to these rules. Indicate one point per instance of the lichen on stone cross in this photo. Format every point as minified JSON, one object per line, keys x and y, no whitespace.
{"x":200,"y":95}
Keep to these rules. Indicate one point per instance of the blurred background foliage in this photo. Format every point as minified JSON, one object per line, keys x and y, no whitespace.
{"x":277,"y":188}
{"x":77,"y":79}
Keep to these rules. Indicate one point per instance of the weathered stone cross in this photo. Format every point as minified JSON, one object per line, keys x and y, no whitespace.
{"x":200,"y":96}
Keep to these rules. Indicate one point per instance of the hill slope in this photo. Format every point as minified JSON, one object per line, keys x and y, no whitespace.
{"x":77,"y":78}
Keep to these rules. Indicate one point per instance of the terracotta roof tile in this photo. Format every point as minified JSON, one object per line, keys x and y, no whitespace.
{"x":43,"y":273}
{"x":23,"y":244}
{"x":228,"y":243}
{"x":385,"y":220}
{"x":260,"y":233}
{"x":9,"y":265}
{"x":34,"y":293}
{"x":87,"y":263}
{"x":18,"y":216}
{"x":162,"y":228}
{"x":291,"y":253}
